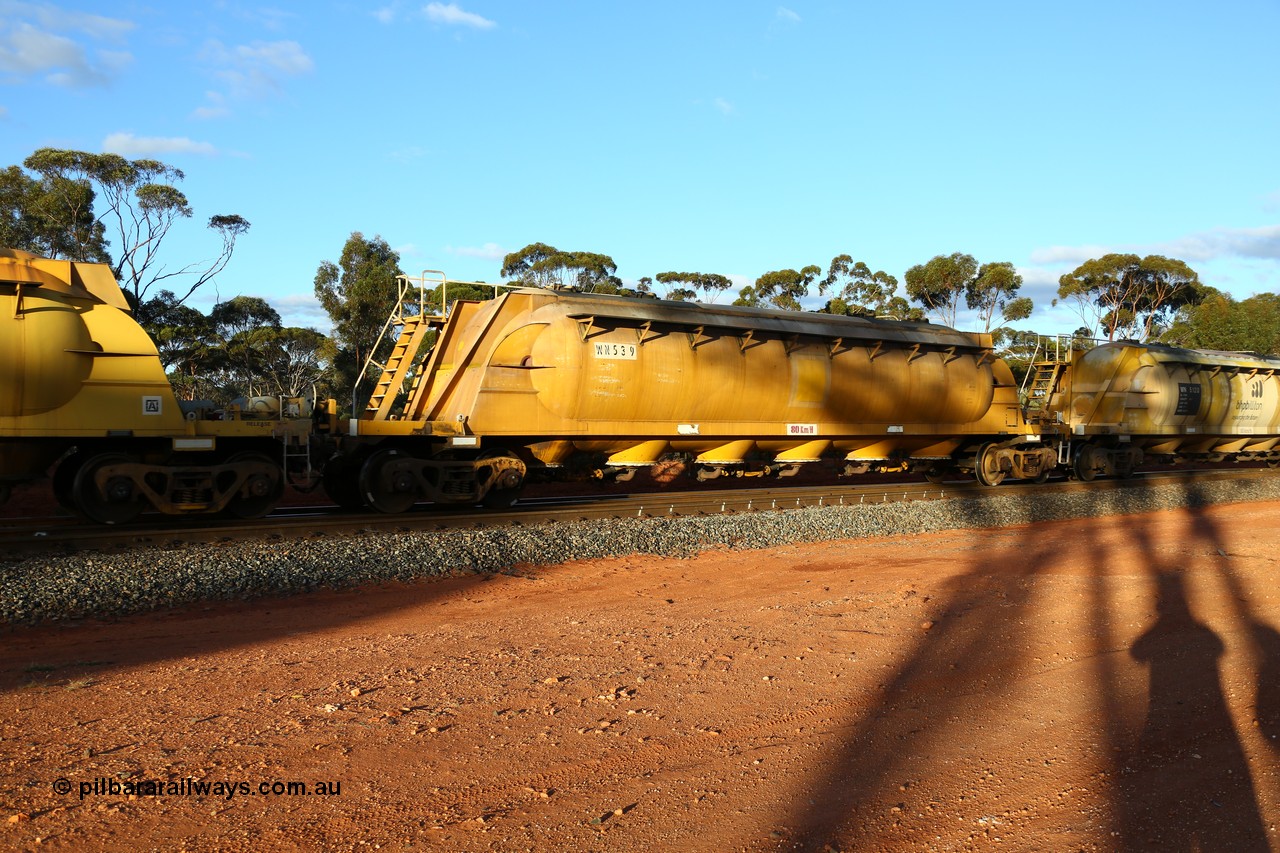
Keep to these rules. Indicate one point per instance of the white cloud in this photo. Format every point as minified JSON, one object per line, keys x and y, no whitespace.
{"x":128,"y":145}
{"x":785,"y":14}
{"x":723,"y":106}
{"x":4,"y":113}
{"x":302,"y":310}
{"x":264,"y":16}
{"x":1074,"y":255}
{"x":286,"y":57}
{"x":1263,"y":242}
{"x":258,"y":68}
{"x":453,"y":15}
{"x":488,"y":252}
{"x":1214,"y":244}
{"x":385,"y":15}
{"x":54,"y":18}
{"x":407,"y":154}
{"x":32,"y":42}
{"x":215,"y":107}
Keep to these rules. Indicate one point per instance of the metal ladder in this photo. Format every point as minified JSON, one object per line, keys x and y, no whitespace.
{"x":1043,"y":382}
{"x":413,"y":329}
{"x":299,"y":450}
{"x":412,"y":332}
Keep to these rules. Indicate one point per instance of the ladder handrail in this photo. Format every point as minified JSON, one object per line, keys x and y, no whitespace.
{"x":406,"y":286}
{"x":1031,"y":363}
{"x":396,"y":318}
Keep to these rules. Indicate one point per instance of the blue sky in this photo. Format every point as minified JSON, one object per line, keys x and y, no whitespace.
{"x":725,"y":137}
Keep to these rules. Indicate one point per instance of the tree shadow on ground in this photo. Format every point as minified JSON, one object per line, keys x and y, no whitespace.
{"x":1180,"y":778}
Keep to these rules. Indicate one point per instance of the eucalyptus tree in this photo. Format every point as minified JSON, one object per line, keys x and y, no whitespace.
{"x":141,"y":204}
{"x":51,"y":217}
{"x":293,"y":361}
{"x":541,"y":265}
{"x":1220,"y":322}
{"x":780,"y":288}
{"x":1122,"y":294}
{"x":857,"y":291}
{"x":710,"y":284}
{"x":358,"y":293}
{"x":994,"y":293}
{"x":941,"y":284}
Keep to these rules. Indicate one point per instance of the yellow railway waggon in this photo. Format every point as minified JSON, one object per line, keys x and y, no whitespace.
{"x":542,"y":379}
{"x":82,"y":391}
{"x":1113,"y":405}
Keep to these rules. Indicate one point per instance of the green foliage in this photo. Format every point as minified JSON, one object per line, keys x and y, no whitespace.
{"x":141,"y":204}
{"x":238,"y":350}
{"x":293,"y":361}
{"x":50,"y":217}
{"x":358,"y":293}
{"x":540,"y":265}
{"x":898,"y":308}
{"x":942,"y":283}
{"x":1017,"y":309}
{"x":1222,"y":323}
{"x":186,"y":342}
{"x":991,"y":290}
{"x":780,"y":288}
{"x":1124,"y":295}
{"x":859,"y":292}
{"x":994,"y":291}
{"x":711,"y":285}
{"x":245,"y":328}
{"x":455,"y":291}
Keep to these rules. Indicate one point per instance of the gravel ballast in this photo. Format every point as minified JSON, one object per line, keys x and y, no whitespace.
{"x":96,"y":584}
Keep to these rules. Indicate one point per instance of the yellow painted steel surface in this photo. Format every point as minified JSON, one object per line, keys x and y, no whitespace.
{"x":635,"y":378}
{"x":72,"y":361}
{"x":1173,"y":399}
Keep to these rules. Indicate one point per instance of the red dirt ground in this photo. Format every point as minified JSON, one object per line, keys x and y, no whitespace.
{"x":1104,"y":684}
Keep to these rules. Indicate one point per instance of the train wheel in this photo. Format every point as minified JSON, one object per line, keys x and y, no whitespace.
{"x":1085,"y":466}
{"x":116,"y":503}
{"x":64,"y":481}
{"x":1041,"y":478}
{"x":260,"y":493}
{"x":500,"y":498}
{"x":946,"y":475}
{"x":384,"y":488}
{"x":342,"y":481}
{"x":506,"y":491}
{"x":987,"y":469}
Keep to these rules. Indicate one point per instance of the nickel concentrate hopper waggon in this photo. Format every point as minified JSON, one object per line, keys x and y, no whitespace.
{"x":83,"y":396}
{"x":468,"y":404}
{"x":1111,"y":406}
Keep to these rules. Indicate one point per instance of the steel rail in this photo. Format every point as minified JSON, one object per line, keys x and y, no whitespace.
{"x":26,"y":537}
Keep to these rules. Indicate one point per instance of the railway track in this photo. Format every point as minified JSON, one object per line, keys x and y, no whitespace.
{"x":30,"y":536}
